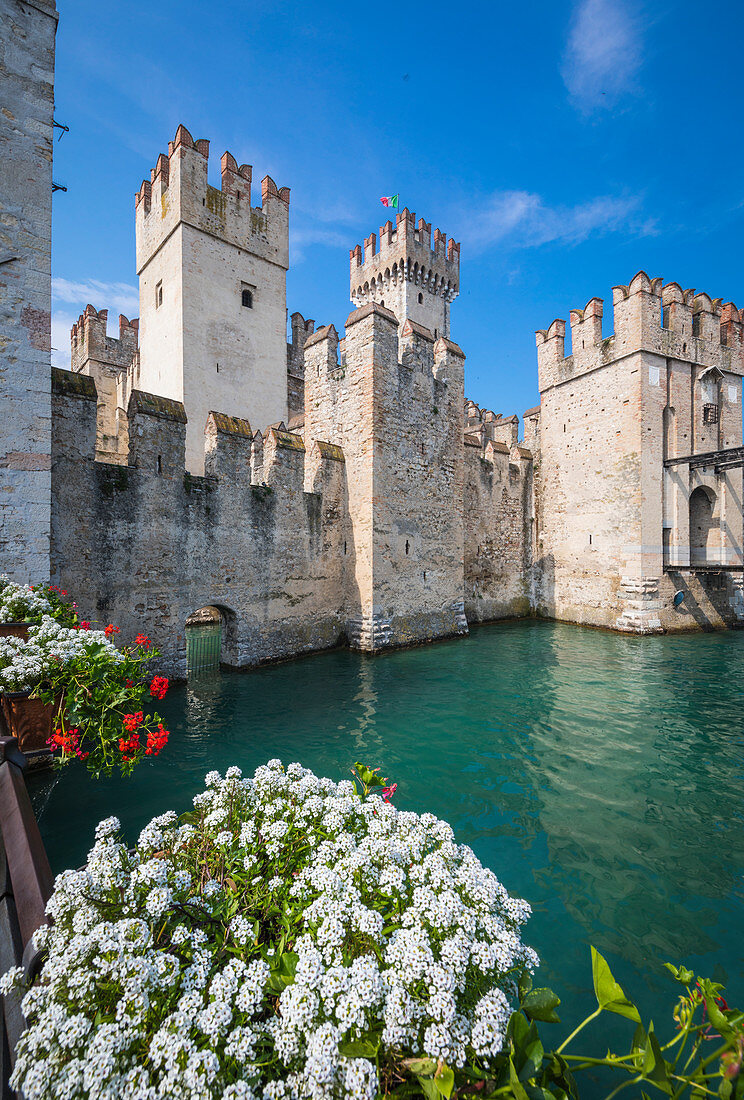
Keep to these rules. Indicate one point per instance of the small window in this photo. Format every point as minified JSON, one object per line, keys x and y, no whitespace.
{"x":696,"y":324}
{"x":710,"y":414}
{"x":160,"y":464}
{"x":408,"y":546}
{"x":159,"y":295}
{"x":247,"y":299}
{"x":382,"y":303}
{"x":421,"y":299}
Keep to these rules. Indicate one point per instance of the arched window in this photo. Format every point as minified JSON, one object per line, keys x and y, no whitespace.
{"x":247,"y":298}
{"x":421,"y":299}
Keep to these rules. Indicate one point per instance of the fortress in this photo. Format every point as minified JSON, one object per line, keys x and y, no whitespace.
{"x":339,"y":487}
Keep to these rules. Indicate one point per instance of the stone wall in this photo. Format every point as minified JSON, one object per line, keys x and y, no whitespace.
{"x":148,"y":544}
{"x":302,"y":330}
{"x":27,"y":33}
{"x":498,"y":531}
{"x":395,"y":406}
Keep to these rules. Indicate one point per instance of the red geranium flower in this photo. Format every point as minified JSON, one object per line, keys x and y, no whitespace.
{"x":129,"y":747}
{"x":130,"y":722}
{"x":156,"y":740}
{"x":85,"y":625}
{"x":143,"y":640}
{"x":159,"y":687}
{"x":111,"y":629}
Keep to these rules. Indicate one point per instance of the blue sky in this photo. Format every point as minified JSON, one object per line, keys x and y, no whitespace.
{"x":566,"y":145}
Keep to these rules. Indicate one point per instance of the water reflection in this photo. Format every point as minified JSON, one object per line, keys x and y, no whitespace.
{"x":600,"y":776}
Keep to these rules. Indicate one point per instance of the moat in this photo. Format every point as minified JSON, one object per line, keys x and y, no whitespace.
{"x":599,"y":775}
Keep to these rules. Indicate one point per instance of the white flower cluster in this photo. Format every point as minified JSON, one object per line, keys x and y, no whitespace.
{"x":290,"y":941}
{"x":50,"y":646}
{"x":19,"y":602}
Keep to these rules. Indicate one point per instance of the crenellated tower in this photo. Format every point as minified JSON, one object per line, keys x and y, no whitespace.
{"x":407,"y":274}
{"x":111,"y":363}
{"x":212,"y":274}
{"x":640,"y":483}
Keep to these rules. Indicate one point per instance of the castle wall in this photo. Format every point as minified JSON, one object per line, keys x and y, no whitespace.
{"x":302,"y":330}
{"x":27,"y":33}
{"x":611,"y":521}
{"x":498,"y":532}
{"x":396,"y":408}
{"x":203,"y":250}
{"x":146,"y":545}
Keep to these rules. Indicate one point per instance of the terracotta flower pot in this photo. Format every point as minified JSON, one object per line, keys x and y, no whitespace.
{"x":30,"y":720}
{"x":15,"y":630}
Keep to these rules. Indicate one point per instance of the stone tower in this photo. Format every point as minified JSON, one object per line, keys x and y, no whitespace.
{"x":111,"y":363}
{"x":406,"y":275}
{"x":640,"y":477}
{"x":212,"y":278}
{"x":27,"y":80}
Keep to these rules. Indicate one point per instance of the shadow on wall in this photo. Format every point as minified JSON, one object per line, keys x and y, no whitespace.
{"x":543,"y":586}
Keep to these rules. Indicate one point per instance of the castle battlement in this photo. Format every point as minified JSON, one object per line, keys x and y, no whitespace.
{"x":651,"y":316}
{"x":482,"y":426}
{"x":406,"y":273}
{"x":88,"y":340}
{"x":235,"y":456}
{"x":179,"y":191}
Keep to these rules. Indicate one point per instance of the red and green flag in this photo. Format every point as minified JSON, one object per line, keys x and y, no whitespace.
{"x":390,"y":200}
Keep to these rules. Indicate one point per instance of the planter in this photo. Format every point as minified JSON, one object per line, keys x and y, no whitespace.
{"x":30,"y":720}
{"x":15,"y":630}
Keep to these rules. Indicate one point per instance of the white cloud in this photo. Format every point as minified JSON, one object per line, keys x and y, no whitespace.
{"x":603,"y":53}
{"x":61,"y":325}
{"x":115,"y":297}
{"x":522,"y":219}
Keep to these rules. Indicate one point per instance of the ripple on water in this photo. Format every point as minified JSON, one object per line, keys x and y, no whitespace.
{"x":600,"y":776}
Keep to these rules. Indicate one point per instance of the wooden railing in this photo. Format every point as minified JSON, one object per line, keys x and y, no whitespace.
{"x":25,"y":887}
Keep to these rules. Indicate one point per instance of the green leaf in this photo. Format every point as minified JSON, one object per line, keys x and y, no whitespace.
{"x":518,"y":1090}
{"x":358,"y":1048}
{"x":724,"y":1089}
{"x":717,"y":1018}
{"x":518,"y":1030}
{"x":609,"y":994}
{"x":444,"y":1079}
{"x":655,"y":1069}
{"x":540,"y":1004}
{"x":533,"y":1058}
{"x":283,"y":972}
{"x":525,"y":983}
{"x":426,"y":1066}
{"x":430,"y":1090}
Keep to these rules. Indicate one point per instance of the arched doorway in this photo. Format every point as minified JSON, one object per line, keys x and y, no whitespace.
{"x":204,"y":632}
{"x":704,"y":527}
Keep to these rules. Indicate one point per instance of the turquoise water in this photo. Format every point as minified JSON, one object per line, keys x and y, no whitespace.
{"x":599,"y":776}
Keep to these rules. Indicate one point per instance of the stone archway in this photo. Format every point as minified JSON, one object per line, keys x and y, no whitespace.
{"x":210,"y":639}
{"x":705,"y":535}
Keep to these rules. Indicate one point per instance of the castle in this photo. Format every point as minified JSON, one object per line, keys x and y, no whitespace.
{"x":339,"y":487}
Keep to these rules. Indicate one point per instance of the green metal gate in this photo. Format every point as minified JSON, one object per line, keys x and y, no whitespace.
{"x":203,"y":650}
